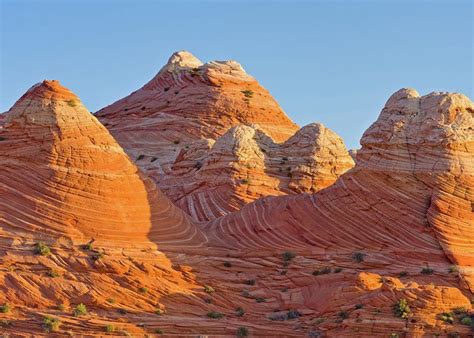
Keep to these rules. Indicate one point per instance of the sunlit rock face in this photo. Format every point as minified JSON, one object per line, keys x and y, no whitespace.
{"x":188,"y":101}
{"x":406,"y":207}
{"x":63,"y":175}
{"x":245,"y":164}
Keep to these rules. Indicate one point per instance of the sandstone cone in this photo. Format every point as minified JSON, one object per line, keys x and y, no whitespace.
{"x":188,"y":101}
{"x":63,"y":174}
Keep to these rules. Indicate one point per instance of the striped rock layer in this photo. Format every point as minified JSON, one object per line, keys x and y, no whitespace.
{"x":211,"y":180}
{"x":405,"y":209}
{"x":188,"y":101}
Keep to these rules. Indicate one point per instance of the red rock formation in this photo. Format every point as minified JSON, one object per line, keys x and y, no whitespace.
{"x":245,"y":164}
{"x":188,"y":101}
{"x":406,"y":206}
{"x":63,"y":175}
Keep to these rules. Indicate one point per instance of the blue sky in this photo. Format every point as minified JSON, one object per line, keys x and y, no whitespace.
{"x":334,"y":62}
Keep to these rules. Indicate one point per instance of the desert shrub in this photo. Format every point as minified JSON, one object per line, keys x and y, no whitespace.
{"x":5,"y":323}
{"x":246,"y":294}
{"x":359,"y":306}
{"x":140,"y":157}
{"x":403,"y":274}
{"x":42,"y":249}
{"x":240,"y":311}
{"x":337,"y":270}
{"x":401,"y":309}
{"x":427,"y":271}
{"x":459,"y":310}
{"x":88,"y":246}
{"x":2,"y":138}
{"x":176,"y":141}
{"x":53,"y":273}
{"x":358,"y":256}
{"x":343,"y":314}
{"x":143,"y":290}
{"x":159,"y":311}
{"x":80,"y":310}
{"x":466,"y":321}
{"x":322,"y":271}
{"x":208,"y":300}
{"x":242,"y":332}
{"x":110,"y":300}
{"x":453,"y":268}
{"x":61,"y":307}
{"x":109,"y":328}
{"x":288,"y":256}
{"x":5,"y":308}
{"x":250,"y":282}
{"x":293,"y":314}
{"x":98,"y":255}
{"x":245,"y":181}
{"x":247,"y":93}
{"x":227,"y":264}
{"x":71,"y":103}
{"x":159,"y":331}
{"x":51,"y":324}
{"x":260,"y":300}
{"x":209,"y":289}
{"x":215,"y":315}
{"x":285,"y":158}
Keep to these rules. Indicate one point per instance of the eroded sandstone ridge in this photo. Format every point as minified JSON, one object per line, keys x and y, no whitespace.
{"x":245,"y":164}
{"x":385,"y":251}
{"x":189,"y":101}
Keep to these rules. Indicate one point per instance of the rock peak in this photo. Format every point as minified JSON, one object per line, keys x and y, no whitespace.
{"x":181,"y":60}
{"x":49,"y":89}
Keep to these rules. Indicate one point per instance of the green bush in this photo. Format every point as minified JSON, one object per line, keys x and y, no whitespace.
{"x":71,"y":103}
{"x":98,"y":255}
{"x":42,"y":249}
{"x":247,"y":93}
{"x":53,"y":273}
{"x":88,"y":246}
{"x":453,"y":268}
{"x":358,"y":256}
{"x":401,"y":309}
{"x":209,"y":289}
{"x":240,"y":311}
{"x":51,"y":324}
{"x":288,"y":256}
{"x":322,"y":271}
{"x":159,"y":312}
{"x":159,"y":331}
{"x":447,"y":317}
{"x":260,"y":300}
{"x":80,"y":310}
{"x":215,"y":315}
{"x":5,"y":308}
{"x":242,"y":332}
{"x":466,"y":321}
{"x":427,"y":271}
{"x":109,"y":328}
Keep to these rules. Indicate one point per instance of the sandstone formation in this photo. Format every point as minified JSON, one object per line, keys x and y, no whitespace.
{"x":245,"y":164}
{"x":188,"y":101}
{"x":405,"y":209}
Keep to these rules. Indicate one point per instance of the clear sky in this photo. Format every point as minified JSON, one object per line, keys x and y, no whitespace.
{"x":334,"y":62}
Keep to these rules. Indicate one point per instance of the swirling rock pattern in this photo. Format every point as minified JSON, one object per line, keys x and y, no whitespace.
{"x":245,"y":164}
{"x":188,"y":101}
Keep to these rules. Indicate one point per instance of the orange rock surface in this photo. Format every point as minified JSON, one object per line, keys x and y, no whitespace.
{"x":330,"y":260}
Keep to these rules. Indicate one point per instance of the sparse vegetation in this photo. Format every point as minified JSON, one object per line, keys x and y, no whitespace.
{"x":97,"y":255}
{"x":80,"y":310}
{"x":61,"y":307}
{"x":453,"y":269}
{"x":358,"y":256}
{"x":337,"y":270}
{"x":240,"y":311}
{"x":159,"y":331}
{"x":359,"y":306}
{"x":322,"y":271}
{"x":140,"y":157}
{"x":466,"y":321}
{"x":215,"y":315}
{"x":260,"y":300}
{"x":109,"y":328}
{"x":403,"y":274}
{"x":2,"y":138}
{"x":247,"y":93}
{"x":51,"y":324}
{"x":143,"y":290}
{"x":292,"y":314}
{"x":343,"y":315}
{"x":53,"y":273}
{"x":208,"y":300}
{"x":459,"y":310}
{"x":427,"y":271}
{"x":110,"y":300}
{"x":288,"y":256}
{"x":242,"y":332}
{"x":159,"y":311}
{"x":42,"y":249}
{"x":401,"y":309}
{"x":227,"y":264}
{"x":176,"y":141}
{"x":209,"y":289}
{"x":5,"y":308}
{"x":245,"y":181}
{"x":250,"y":282}
{"x":5,"y":323}
{"x":71,"y":103}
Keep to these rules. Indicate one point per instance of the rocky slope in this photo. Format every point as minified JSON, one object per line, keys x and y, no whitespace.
{"x":214,"y":179}
{"x":188,"y":101}
{"x":399,"y":224}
